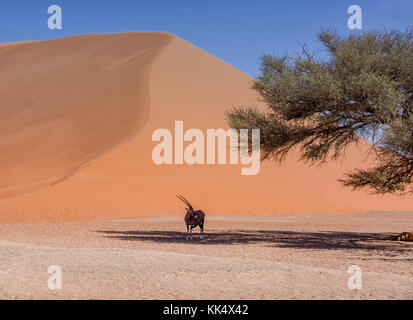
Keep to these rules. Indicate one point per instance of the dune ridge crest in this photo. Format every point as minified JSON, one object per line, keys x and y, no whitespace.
{"x":66,"y":102}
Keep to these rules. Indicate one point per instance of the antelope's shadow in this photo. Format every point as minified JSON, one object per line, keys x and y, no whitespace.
{"x":327,"y":240}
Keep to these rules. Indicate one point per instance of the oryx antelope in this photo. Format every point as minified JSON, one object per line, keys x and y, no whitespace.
{"x":193,"y":219}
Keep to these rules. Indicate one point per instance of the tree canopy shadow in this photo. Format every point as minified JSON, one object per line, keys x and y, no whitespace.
{"x":327,"y":240}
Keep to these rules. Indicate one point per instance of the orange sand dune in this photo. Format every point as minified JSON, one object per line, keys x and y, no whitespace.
{"x":77,"y":117}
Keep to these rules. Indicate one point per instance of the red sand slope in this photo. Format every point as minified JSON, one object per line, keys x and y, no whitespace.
{"x":77,"y":117}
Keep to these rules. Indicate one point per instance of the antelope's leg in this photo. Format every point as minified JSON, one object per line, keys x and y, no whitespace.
{"x":187,"y":231}
{"x":201,"y":225}
{"x":190,"y":236}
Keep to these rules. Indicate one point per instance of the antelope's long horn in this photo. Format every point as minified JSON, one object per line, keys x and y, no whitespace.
{"x":184,"y":200}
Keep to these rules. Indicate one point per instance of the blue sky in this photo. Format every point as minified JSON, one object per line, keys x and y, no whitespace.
{"x":237,"y":31}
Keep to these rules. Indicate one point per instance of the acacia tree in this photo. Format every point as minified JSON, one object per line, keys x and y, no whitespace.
{"x":321,"y":106}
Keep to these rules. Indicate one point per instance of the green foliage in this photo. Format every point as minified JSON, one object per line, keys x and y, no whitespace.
{"x":319,"y":107}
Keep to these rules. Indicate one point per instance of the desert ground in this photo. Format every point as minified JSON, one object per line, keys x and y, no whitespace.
{"x":243,"y":257}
